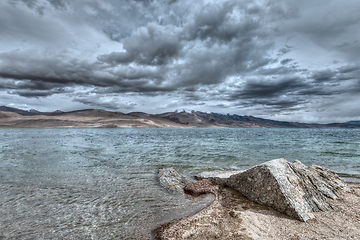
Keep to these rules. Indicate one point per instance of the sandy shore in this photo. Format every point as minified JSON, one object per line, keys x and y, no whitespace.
{"x":232,"y":216}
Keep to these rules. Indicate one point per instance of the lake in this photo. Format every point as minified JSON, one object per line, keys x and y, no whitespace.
{"x":102,"y":184}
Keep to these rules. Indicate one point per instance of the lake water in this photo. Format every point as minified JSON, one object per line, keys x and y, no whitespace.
{"x":101,"y":183}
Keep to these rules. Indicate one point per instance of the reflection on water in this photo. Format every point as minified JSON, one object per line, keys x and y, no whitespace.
{"x":101,"y":183}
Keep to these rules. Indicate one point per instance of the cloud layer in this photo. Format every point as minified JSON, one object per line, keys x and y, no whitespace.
{"x":286,"y":60}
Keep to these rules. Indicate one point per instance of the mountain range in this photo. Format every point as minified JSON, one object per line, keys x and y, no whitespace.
{"x":96,"y":118}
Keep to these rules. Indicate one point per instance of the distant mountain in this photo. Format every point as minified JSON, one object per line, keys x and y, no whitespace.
{"x":33,"y":111}
{"x":13,"y":117}
{"x":18,"y":111}
{"x":354,"y":122}
{"x":30,"y":112}
{"x":201,"y":119}
{"x":57,"y":111}
{"x":350,"y":124}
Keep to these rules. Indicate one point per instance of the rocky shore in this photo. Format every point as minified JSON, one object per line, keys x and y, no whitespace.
{"x":274,"y":200}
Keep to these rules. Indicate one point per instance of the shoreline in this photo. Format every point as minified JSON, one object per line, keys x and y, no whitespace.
{"x":233,"y":216}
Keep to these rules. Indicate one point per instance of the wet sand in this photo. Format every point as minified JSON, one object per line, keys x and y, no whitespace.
{"x":233,"y":216}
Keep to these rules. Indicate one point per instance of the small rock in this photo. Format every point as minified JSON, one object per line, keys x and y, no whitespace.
{"x":200,"y":187}
{"x":170,"y":179}
{"x":234,"y":213}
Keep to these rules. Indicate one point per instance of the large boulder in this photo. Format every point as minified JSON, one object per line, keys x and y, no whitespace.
{"x":291,"y":188}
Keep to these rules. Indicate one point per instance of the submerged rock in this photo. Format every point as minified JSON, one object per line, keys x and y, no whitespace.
{"x":171,"y":180}
{"x":291,"y":188}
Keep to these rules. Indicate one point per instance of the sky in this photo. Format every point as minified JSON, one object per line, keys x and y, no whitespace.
{"x":279,"y":59}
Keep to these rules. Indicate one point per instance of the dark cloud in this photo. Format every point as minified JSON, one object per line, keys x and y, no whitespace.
{"x":59,"y":4}
{"x":150,"y":45}
{"x":286,"y":61}
{"x":318,"y":91}
{"x":326,"y":75}
{"x":283,"y":51}
{"x":338,"y":75}
{"x":38,"y":93}
{"x":270,"y":88}
{"x":350,"y":69}
{"x":281,"y":70}
{"x":29,"y":85}
{"x":40,"y":6}
{"x":277,"y":105}
{"x":346,"y":44}
{"x":44,"y":68}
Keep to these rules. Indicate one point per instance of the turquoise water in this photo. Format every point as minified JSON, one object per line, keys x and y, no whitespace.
{"x":101,"y":183}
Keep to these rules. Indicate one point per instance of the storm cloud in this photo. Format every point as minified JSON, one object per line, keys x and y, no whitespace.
{"x":276,"y":59}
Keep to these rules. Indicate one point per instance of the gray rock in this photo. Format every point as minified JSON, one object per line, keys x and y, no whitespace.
{"x":291,"y":188}
{"x":216,"y":174}
{"x":170,"y":179}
